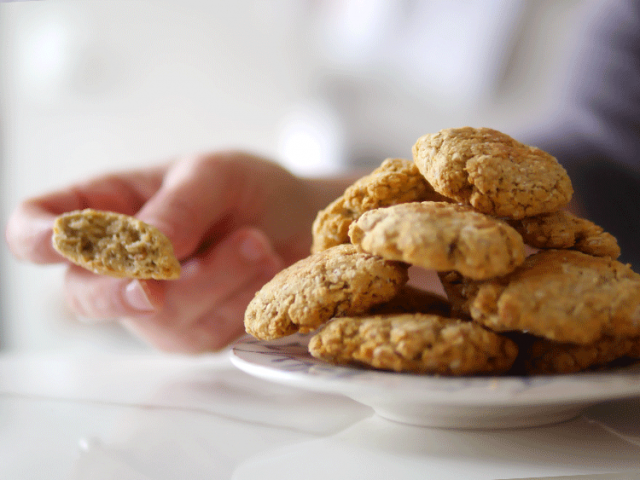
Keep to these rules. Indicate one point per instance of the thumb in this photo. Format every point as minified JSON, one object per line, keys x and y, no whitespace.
{"x":101,"y":297}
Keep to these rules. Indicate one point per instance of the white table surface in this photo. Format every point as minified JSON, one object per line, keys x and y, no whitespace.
{"x":155,"y":416}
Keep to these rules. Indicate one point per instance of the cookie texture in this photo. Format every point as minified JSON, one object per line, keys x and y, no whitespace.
{"x":548,"y":357}
{"x":414,"y":300}
{"x":561,"y":295}
{"x":440,"y":236}
{"x":114,"y":244}
{"x":562,"y":229}
{"x":418,"y":343}
{"x":335,"y":282}
{"x":492,"y":172}
{"x":460,"y":291}
{"x":395,"y":181}
{"x":634,"y":349}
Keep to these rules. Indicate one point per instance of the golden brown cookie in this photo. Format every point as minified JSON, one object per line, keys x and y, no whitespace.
{"x":395,"y":181}
{"x":440,"y":236}
{"x":562,"y":229}
{"x":634,"y":349}
{"x":414,"y":300}
{"x":548,"y":357}
{"x":114,"y":244}
{"x":335,"y":282}
{"x":561,"y":295}
{"x":459,"y":291}
{"x":492,"y":172}
{"x":418,"y":343}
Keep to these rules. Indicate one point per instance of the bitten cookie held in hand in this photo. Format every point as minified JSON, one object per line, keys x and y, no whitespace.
{"x":109,"y":243}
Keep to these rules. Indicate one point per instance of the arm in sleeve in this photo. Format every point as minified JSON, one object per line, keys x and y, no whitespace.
{"x":595,"y":131}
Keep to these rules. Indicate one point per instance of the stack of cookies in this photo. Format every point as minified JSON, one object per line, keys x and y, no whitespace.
{"x":531,"y":288}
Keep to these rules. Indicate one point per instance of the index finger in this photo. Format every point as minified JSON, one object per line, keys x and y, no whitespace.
{"x":29,"y":228}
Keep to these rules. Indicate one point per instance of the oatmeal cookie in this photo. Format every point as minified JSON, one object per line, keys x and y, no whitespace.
{"x":492,"y":172}
{"x":114,"y":244}
{"x":634,"y":349}
{"x":418,"y":343}
{"x":395,"y":181}
{"x":459,"y":290}
{"x":562,"y":229}
{"x":414,"y":300}
{"x":335,"y":282}
{"x":548,"y":357}
{"x":440,"y":236}
{"x":561,"y":295}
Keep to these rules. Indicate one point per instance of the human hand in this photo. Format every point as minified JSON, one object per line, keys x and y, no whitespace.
{"x":234,"y":221}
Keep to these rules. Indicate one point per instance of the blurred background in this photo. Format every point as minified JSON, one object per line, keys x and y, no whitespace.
{"x":320,"y":86}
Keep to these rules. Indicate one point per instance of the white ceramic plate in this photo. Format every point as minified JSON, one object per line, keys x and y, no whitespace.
{"x":467,"y":402}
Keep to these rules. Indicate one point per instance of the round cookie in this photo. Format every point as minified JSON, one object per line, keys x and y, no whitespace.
{"x":418,"y":343}
{"x":414,"y":300}
{"x":395,"y":181}
{"x":561,"y":295}
{"x":335,"y":282}
{"x":562,"y":229}
{"x":492,"y":172}
{"x":548,"y":357}
{"x":440,"y":236}
{"x":634,"y":349}
{"x":109,"y":243}
{"x":459,"y":290}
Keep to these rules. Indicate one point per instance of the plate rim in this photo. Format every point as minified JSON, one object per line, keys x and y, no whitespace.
{"x":358,"y":383}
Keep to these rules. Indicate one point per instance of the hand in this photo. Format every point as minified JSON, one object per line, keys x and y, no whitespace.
{"x":234,"y":220}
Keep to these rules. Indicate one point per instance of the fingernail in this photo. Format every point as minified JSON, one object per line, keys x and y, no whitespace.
{"x":137,"y":298}
{"x":252,"y":248}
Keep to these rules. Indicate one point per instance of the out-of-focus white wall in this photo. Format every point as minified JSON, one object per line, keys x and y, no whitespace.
{"x":93,"y":86}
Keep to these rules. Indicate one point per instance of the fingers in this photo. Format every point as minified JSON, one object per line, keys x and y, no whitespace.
{"x":29,"y":228}
{"x":28,"y":234}
{"x":102,"y":298}
{"x":214,"y":329}
{"x":206,"y":310}
{"x":193,"y":201}
{"x":185,"y":201}
{"x":197,"y":195}
{"x":202,"y":310}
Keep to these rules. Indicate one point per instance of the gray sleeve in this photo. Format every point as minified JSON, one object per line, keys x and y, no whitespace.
{"x":599,"y":106}
{"x":595,"y":131}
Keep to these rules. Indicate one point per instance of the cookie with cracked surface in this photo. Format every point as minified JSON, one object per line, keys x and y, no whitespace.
{"x":395,"y":181}
{"x":548,"y":357}
{"x":418,"y":343}
{"x":492,"y":172}
{"x":561,"y":295}
{"x":114,"y":244}
{"x":440,"y":236}
{"x":335,"y":282}
{"x":562,"y":229}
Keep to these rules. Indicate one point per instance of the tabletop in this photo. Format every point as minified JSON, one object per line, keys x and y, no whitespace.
{"x":157,"y":416}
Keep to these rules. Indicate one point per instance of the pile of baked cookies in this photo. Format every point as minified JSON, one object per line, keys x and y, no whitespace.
{"x":530,"y":288}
